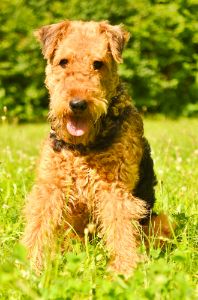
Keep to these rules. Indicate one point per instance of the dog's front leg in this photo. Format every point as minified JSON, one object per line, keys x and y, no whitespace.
{"x":43,"y":214}
{"x":118,"y":213}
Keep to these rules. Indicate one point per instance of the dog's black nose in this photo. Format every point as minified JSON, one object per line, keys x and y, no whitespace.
{"x":78,"y":104}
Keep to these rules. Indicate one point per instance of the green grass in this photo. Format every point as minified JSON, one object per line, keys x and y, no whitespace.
{"x":82,"y":273}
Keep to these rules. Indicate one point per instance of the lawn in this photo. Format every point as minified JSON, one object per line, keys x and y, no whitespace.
{"x":82,"y":273}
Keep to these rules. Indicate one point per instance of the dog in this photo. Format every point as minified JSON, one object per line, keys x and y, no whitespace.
{"x":95,"y":165}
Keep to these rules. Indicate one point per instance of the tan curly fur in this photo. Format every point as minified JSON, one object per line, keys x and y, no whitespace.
{"x":76,"y":187}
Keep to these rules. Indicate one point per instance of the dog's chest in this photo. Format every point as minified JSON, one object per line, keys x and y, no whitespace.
{"x":87,"y":172}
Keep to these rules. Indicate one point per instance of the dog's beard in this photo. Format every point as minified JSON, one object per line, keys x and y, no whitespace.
{"x":78,"y":129}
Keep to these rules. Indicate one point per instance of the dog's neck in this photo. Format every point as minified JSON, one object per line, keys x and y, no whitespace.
{"x":110,"y":125}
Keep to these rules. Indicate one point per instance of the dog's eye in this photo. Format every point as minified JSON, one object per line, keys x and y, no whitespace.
{"x":97,"y":64}
{"x":63,"y":62}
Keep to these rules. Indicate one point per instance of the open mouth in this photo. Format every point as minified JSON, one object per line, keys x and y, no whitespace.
{"x":77,"y":126}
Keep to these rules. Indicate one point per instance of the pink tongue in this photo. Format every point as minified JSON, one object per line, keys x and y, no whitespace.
{"x":77,"y":127}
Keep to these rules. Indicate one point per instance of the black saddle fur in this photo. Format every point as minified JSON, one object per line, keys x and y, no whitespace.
{"x":145,"y":188}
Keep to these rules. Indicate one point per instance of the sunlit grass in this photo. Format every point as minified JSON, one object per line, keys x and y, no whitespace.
{"x":82,"y":272}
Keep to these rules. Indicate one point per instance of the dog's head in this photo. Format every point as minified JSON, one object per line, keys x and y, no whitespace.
{"x":81,"y":74}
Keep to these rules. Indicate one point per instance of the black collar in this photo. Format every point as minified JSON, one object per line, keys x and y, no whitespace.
{"x":58,"y":145}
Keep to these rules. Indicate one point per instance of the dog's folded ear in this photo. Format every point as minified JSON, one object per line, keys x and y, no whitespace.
{"x":117,"y":38}
{"x":50,"y":35}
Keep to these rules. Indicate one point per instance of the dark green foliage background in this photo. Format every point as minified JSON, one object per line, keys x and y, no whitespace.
{"x":161,"y":59}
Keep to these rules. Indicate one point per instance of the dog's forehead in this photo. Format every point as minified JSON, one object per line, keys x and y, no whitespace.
{"x":83,"y":39}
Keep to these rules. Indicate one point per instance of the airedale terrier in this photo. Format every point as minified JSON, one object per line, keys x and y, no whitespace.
{"x":96,"y":165}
